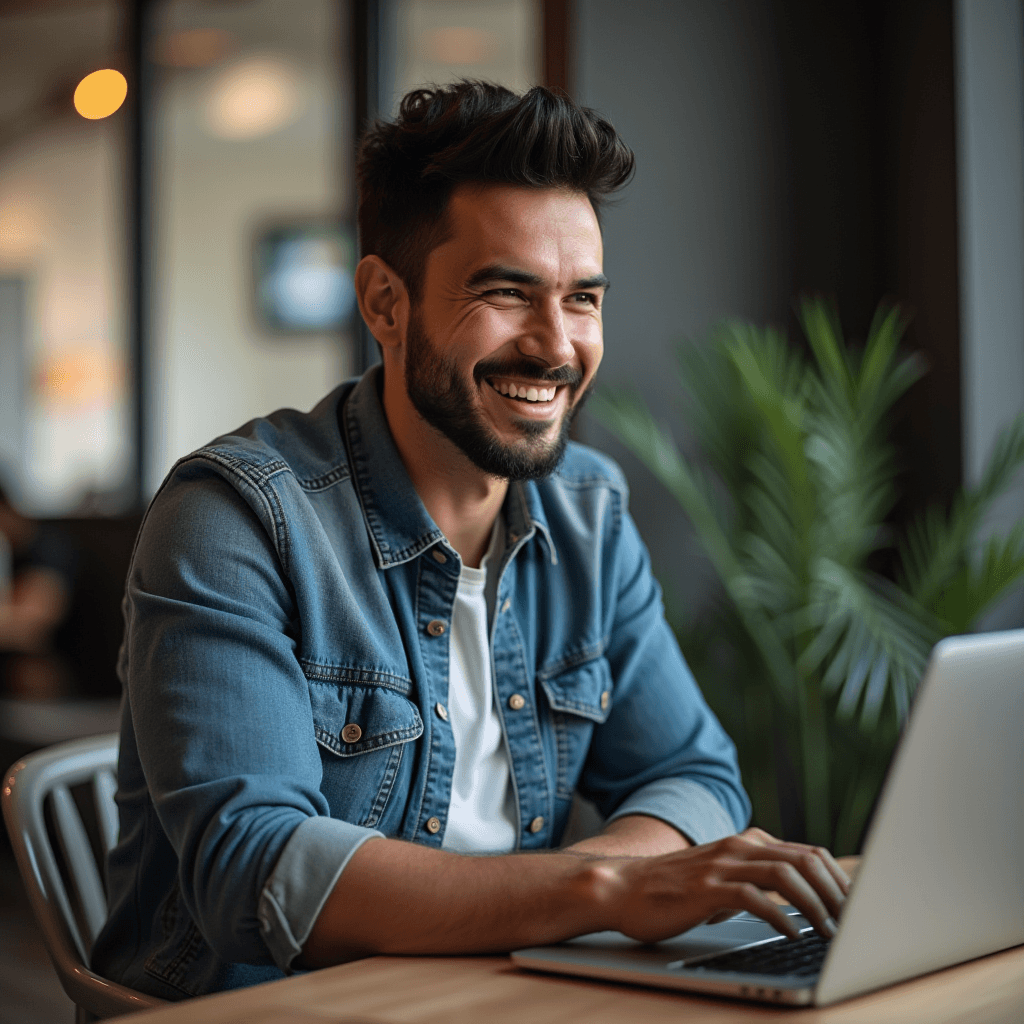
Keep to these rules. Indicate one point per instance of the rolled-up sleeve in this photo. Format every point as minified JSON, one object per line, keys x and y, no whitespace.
{"x":686,"y":805}
{"x":222,"y":716}
{"x":661,"y":751}
{"x":306,"y":872}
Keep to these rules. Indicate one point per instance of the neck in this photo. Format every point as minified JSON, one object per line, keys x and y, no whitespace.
{"x":462,"y":499}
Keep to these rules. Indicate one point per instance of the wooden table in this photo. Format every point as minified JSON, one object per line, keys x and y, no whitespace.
{"x":489,"y":990}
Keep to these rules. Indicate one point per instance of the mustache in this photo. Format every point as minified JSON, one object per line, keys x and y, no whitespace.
{"x":523,"y":370}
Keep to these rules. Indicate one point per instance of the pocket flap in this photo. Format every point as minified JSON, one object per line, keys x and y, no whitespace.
{"x":585,"y":690}
{"x":351,"y":720}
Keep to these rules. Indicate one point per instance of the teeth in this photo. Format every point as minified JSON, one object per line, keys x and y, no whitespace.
{"x":531,"y":394}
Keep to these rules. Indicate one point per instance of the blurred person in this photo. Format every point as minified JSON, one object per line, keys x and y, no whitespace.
{"x":372,"y":650}
{"x":37,"y":569}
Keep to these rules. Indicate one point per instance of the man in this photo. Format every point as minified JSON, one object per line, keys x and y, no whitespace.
{"x":369,"y":644}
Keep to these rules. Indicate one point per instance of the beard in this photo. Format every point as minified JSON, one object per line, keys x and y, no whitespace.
{"x":446,"y":401}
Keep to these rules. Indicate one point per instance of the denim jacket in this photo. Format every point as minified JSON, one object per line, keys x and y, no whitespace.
{"x":285,"y":659}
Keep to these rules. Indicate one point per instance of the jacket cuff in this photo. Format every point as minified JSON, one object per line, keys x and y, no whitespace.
{"x":305,"y":874}
{"x":685,"y":805}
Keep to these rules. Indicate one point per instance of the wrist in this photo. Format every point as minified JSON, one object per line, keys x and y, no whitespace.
{"x":600,"y":889}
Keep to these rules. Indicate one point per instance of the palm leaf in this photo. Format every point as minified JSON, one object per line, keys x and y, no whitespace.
{"x":936,"y":548}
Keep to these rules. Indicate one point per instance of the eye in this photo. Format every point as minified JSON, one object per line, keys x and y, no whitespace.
{"x":589,"y":298}
{"x":505,"y":293}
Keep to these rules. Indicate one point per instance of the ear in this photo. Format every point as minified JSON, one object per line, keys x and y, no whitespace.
{"x":383,"y":301}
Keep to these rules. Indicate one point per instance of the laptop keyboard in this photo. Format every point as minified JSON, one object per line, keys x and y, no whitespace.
{"x":803,"y":956}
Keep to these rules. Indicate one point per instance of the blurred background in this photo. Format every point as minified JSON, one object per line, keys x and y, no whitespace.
{"x":181,"y":262}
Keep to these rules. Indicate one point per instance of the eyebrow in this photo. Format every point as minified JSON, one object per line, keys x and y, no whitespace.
{"x":499,"y":272}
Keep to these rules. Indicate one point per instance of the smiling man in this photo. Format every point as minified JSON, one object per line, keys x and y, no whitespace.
{"x":371,"y":651}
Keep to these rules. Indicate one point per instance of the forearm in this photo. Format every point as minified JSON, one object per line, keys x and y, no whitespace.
{"x":636,"y":835}
{"x":396,"y":897}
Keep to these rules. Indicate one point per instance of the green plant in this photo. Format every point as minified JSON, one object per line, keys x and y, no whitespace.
{"x":812,"y":654}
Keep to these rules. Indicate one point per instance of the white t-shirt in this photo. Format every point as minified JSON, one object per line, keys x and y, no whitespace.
{"x":481,"y":815}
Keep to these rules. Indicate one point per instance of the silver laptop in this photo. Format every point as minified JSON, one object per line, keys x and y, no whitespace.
{"x":941,"y":879}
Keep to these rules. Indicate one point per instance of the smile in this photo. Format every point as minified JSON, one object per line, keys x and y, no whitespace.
{"x":526,"y":393}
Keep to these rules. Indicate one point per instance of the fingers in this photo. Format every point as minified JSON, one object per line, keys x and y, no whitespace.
{"x":814,"y":863}
{"x":747,"y":896}
{"x":759,"y":837}
{"x":785,"y":879}
{"x":834,"y":868}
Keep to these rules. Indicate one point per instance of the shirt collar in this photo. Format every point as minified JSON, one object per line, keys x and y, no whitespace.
{"x":399,"y":525}
{"x":398,"y":522}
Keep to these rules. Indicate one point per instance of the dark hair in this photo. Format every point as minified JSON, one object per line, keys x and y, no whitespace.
{"x":474,"y":132}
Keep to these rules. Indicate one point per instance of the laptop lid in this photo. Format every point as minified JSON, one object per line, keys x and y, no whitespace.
{"x":942,"y":876}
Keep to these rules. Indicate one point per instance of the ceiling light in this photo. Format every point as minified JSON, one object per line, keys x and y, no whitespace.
{"x":252,"y":98}
{"x":100,"y":94}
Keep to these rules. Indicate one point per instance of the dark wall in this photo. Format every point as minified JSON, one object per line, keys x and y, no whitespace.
{"x":784,"y":147}
{"x":869,"y":99}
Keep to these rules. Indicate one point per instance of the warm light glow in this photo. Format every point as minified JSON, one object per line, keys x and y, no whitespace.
{"x":192,"y":48}
{"x":459,"y":45}
{"x":79,"y":375}
{"x":252,"y":98}
{"x":100,"y":94}
{"x":21,"y":229}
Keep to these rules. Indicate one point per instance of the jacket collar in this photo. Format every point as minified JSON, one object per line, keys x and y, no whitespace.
{"x":399,"y":525}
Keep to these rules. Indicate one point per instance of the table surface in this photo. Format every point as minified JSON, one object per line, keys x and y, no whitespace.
{"x":472,"y":990}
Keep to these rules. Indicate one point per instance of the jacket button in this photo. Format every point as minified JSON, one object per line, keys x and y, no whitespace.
{"x":433,"y":826}
{"x":537,"y":824}
{"x":351,"y":733}
{"x":442,"y":711}
{"x":439,"y":556}
{"x":435,"y":627}
{"x":506,"y":604}
{"x":517,"y":702}
{"x":605,"y":699}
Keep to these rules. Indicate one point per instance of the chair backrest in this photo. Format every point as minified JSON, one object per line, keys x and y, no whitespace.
{"x":64,"y":880}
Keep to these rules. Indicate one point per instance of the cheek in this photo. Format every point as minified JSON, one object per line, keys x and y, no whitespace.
{"x":479,"y":331}
{"x":591,"y":346}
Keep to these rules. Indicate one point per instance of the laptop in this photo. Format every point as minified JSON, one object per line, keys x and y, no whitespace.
{"x":941,"y":879}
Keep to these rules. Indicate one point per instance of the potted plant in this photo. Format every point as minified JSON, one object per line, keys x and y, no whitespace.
{"x":811,"y":653}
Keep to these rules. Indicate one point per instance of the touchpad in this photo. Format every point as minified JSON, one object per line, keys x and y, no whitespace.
{"x":705,"y":938}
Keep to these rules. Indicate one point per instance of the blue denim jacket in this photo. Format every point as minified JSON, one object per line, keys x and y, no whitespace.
{"x":288,"y":583}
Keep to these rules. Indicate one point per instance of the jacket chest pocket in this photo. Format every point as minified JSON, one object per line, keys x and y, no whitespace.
{"x":579,"y":699}
{"x":363,"y":732}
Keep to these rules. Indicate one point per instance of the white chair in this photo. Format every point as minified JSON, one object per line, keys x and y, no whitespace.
{"x":64,"y":880}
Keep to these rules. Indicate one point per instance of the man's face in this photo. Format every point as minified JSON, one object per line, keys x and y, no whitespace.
{"x":505,"y":341}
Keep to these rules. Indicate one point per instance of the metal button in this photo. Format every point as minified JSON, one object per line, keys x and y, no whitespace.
{"x":439,"y":556}
{"x":506,"y":604}
{"x":537,"y":824}
{"x":435,"y":627}
{"x":605,"y":699}
{"x":442,"y":711}
{"x":433,"y":826}
{"x":517,"y":702}
{"x":351,"y":733}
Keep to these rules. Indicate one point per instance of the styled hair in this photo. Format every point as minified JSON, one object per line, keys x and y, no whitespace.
{"x":474,"y":133}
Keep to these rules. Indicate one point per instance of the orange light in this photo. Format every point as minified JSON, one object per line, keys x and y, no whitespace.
{"x":100,"y":94}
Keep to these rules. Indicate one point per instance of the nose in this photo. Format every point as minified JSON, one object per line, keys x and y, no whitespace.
{"x":547,"y":339}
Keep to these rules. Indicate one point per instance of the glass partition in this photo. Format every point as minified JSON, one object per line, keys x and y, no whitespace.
{"x":65,"y":440}
{"x":252,"y":215}
{"x":439,"y":41}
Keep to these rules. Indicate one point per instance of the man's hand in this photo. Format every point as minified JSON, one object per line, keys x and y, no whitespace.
{"x":396,"y":897}
{"x":656,"y":898}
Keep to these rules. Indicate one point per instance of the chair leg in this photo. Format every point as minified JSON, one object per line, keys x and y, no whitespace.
{"x":83,"y":1016}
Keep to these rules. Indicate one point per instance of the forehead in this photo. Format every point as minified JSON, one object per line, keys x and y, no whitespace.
{"x":552,"y":232}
